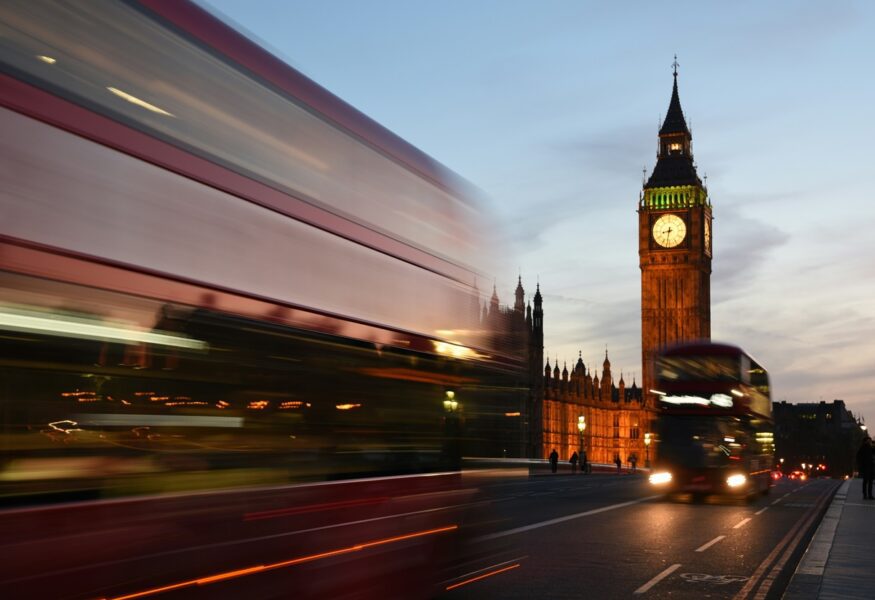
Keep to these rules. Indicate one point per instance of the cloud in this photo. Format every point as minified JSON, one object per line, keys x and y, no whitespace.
{"x":613,"y":152}
{"x":742,"y":246}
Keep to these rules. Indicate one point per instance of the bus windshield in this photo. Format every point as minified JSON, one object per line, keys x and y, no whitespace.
{"x":702,"y":442}
{"x":698,"y":368}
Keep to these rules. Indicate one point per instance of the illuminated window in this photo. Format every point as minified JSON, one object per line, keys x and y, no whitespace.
{"x":674,"y":147}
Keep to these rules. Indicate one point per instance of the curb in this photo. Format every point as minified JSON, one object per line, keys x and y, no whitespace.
{"x":807,"y":580}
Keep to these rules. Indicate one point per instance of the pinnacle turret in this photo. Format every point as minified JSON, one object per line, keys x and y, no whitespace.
{"x":674,"y":118}
{"x":674,"y":165}
{"x":519,"y":304}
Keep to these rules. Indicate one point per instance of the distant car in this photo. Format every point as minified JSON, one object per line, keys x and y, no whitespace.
{"x":776,"y":475}
{"x":798,"y":475}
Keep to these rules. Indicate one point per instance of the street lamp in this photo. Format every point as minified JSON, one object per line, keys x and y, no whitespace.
{"x":452,"y":441}
{"x":647,"y":441}
{"x":450,"y":403}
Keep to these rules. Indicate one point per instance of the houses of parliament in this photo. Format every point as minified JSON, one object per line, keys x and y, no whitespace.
{"x":558,"y":400}
{"x":584,"y":408}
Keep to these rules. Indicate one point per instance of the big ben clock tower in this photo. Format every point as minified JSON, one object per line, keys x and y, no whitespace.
{"x":674,"y":247}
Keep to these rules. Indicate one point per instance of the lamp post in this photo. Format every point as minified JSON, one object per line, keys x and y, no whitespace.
{"x":647,"y":440}
{"x":453,"y":446}
{"x":581,"y":427}
{"x":450,"y":403}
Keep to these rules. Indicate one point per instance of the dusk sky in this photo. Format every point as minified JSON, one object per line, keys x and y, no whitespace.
{"x":552,"y":109}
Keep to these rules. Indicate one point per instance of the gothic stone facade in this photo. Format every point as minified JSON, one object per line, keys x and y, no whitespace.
{"x":674,"y":247}
{"x":614,"y":413}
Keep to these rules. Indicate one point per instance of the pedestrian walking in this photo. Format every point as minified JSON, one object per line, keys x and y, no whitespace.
{"x":618,"y":462}
{"x":554,"y":460}
{"x":633,"y":460}
{"x":573,"y":462}
{"x":865,"y":467}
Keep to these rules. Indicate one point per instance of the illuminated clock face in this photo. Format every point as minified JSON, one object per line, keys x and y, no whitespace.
{"x":669,"y":231}
{"x":708,"y":236}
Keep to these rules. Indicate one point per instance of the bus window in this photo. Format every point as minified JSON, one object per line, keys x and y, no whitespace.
{"x":698,"y":368}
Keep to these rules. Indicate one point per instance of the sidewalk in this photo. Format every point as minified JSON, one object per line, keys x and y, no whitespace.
{"x":839,"y":563}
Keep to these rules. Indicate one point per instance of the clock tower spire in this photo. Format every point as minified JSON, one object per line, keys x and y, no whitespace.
{"x":674,"y":245}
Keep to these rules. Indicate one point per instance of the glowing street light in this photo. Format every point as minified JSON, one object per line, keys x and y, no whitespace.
{"x":450,"y":403}
{"x":647,"y":440}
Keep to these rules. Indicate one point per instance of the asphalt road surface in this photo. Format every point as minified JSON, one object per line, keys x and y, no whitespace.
{"x":609,"y":536}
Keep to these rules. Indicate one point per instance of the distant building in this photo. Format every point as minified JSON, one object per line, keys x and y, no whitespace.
{"x":816,"y":434}
{"x":613,"y":413}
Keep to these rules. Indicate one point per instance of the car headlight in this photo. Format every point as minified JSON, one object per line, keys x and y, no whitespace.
{"x":660,"y":477}
{"x":736,"y":480}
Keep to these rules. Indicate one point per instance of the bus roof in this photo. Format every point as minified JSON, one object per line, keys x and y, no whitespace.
{"x":702,"y":347}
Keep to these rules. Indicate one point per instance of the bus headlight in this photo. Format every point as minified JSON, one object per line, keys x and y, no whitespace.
{"x":660,"y":477}
{"x":736,"y":480}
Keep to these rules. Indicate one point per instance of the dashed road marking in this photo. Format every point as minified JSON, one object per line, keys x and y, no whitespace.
{"x":658,"y":578}
{"x":704,"y":547}
{"x":762,"y":510}
{"x":741,"y":523}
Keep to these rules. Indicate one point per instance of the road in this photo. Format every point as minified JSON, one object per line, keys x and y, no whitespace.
{"x":472,"y":535}
{"x":608,"y":536}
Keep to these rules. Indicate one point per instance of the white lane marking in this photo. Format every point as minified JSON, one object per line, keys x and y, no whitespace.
{"x":762,"y":510}
{"x":479,"y":571}
{"x":775,"y":501}
{"x":704,"y":547}
{"x":658,"y":578}
{"x":587,"y":513}
{"x":741,"y":523}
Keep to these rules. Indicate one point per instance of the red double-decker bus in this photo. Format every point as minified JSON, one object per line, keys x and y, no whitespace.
{"x":715,"y":431}
{"x":240,"y":347}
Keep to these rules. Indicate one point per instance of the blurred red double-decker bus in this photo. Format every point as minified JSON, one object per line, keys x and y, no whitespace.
{"x":240,"y":345}
{"x":715,"y":430}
